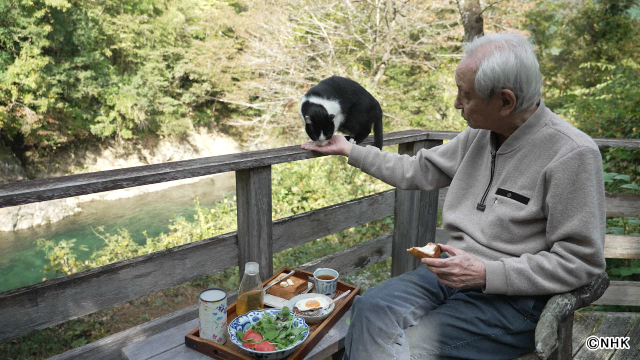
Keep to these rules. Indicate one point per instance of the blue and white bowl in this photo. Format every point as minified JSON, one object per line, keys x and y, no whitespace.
{"x":244,"y":322}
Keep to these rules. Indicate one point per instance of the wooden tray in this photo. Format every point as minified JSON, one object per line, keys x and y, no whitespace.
{"x":316,"y":331}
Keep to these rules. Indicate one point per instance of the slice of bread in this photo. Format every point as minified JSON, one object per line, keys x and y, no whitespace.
{"x":430,"y":250}
{"x":288,"y":288}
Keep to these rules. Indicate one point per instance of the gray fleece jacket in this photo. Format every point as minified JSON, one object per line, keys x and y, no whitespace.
{"x":533,"y":209}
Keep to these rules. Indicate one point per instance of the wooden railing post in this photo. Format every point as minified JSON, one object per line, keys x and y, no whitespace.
{"x":255,"y":228}
{"x":416,"y":213}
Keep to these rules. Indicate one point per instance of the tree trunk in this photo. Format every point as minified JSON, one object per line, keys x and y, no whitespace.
{"x":471,"y":14}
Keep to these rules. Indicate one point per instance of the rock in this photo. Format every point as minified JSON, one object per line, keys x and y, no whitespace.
{"x":10,"y":167}
{"x":25,"y":216}
{"x":106,"y":155}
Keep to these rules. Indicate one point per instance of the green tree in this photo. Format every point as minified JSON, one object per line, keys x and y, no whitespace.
{"x":77,"y":68}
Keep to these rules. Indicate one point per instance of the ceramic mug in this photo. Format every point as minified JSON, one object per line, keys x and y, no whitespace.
{"x":326,"y":281}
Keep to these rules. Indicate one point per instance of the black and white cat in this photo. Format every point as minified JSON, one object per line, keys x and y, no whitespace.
{"x":338,"y":103}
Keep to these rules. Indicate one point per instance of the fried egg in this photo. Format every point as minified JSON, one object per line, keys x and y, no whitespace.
{"x":311,"y":303}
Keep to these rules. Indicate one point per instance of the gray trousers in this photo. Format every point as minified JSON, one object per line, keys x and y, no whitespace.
{"x":413,"y":316}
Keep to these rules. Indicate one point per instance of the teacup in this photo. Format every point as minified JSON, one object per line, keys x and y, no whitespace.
{"x":326,"y":281}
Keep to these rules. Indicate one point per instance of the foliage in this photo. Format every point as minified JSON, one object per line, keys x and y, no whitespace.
{"x":297,"y":187}
{"x":63,"y":259}
{"x":589,"y":55}
{"x":72,"y":69}
{"x":75,"y":68}
{"x":615,"y":183}
{"x":571,"y":34}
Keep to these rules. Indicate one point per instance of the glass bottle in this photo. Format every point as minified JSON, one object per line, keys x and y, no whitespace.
{"x":250,"y":294}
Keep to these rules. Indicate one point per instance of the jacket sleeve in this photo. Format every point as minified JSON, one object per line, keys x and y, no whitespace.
{"x":428,"y":170}
{"x":576,"y":223}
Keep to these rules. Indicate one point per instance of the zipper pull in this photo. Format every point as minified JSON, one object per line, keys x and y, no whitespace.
{"x":481,"y":206}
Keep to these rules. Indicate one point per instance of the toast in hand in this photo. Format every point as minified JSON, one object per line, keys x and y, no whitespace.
{"x":430,"y":250}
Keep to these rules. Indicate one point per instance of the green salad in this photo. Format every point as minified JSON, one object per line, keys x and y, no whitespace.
{"x":269,"y":330}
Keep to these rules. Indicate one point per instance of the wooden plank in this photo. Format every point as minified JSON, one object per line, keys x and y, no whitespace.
{"x":406,"y":218}
{"x":415,"y":218}
{"x":634,"y":342}
{"x":55,"y":301}
{"x":565,"y":335}
{"x":627,"y":143}
{"x":621,"y":247}
{"x":312,"y":225}
{"x":110,"y":347}
{"x":112,"y":284}
{"x":332,"y":341}
{"x":255,"y":225}
{"x":428,"y":213}
{"x":621,"y":293}
{"x":25,"y":192}
{"x":584,"y":324}
{"x":613,"y":325}
{"x":353,"y":259}
{"x":181,"y":352}
{"x":623,"y":205}
{"x":159,"y":343}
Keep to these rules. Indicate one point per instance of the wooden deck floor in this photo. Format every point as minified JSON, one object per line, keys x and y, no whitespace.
{"x":606,"y":324}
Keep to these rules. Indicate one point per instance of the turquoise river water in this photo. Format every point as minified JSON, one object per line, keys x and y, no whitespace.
{"x":22,"y":263}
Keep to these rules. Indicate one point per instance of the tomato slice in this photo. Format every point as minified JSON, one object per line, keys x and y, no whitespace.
{"x":265,"y":346}
{"x":249,"y":345}
{"x":253,"y":336}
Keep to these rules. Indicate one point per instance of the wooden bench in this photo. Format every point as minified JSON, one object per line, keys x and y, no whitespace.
{"x":55,"y":301}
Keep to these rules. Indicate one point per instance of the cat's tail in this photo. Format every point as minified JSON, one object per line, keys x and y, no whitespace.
{"x":377,"y":132}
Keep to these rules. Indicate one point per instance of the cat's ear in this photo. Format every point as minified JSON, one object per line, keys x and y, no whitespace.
{"x":331,"y":116}
{"x":307,"y":119}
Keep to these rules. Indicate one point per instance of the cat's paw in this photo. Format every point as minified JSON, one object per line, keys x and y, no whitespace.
{"x":352,"y":140}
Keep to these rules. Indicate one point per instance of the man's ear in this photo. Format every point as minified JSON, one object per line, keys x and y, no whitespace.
{"x":508,"y":102}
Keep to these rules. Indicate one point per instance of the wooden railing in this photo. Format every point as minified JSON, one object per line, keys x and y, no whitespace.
{"x":51,"y":302}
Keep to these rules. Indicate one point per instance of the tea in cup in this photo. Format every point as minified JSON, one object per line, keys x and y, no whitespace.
{"x":326,"y":281}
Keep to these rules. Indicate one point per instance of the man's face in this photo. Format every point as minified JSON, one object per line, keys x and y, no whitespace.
{"x":479,"y":113}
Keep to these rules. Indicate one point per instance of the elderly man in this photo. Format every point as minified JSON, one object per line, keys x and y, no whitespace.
{"x":525,"y":213}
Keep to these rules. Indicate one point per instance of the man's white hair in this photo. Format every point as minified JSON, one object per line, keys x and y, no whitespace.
{"x":510,"y":64}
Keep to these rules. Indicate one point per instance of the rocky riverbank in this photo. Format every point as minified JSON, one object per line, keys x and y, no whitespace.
{"x":105,"y":155}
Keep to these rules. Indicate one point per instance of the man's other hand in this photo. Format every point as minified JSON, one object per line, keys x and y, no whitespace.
{"x":337,"y":145}
{"x":461,"y":270}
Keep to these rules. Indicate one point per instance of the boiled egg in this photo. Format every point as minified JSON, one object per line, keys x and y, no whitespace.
{"x":311,"y":303}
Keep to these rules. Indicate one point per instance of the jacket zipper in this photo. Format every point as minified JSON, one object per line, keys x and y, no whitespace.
{"x":481,"y":206}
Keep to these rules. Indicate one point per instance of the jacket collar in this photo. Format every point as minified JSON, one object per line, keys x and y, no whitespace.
{"x":536,"y":122}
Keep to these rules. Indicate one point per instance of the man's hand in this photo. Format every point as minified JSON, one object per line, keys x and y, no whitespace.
{"x":461,"y":270}
{"x":337,"y":145}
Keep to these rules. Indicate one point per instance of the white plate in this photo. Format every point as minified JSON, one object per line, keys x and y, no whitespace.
{"x":318,"y":315}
